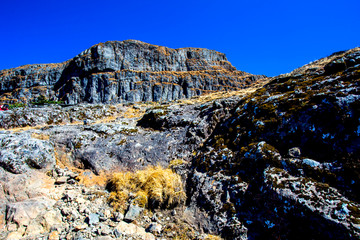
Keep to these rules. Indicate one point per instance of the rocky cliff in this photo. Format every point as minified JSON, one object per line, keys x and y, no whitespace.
{"x":277,"y":160}
{"x":132,"y":71}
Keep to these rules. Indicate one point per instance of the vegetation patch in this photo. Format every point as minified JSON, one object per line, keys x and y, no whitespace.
{"x":88,"y":178}
{"x":42,"y":100}
{"x":153,"y":187}
{"x":17,"y":105}
{"x":176,"y":162}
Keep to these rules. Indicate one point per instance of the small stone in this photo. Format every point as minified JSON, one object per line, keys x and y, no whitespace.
{"x":133,"y":212}
{"x":69,"y":196}
{"x":104,"y":238}
{"x":71,"y":181}
{"x":54,"y":235}
{"x":80,"y":200}
{"x":93,"y":219}
{"x":72,"y":175}
{"x":294,"y":152}
{"x":104,"y":230}
{"x":155,"y":228}
{"x":12,"y":227}
{"x":80,"y":227}
{"x":65,"y":211}
{"x":154,"y":218}
{"x":118,"y":216}
{"x":147,"y":219}
{"x":61,"y":180}
{"x":107,"y":213}
{"x":117,"y":233}
{"x":59,"y":171}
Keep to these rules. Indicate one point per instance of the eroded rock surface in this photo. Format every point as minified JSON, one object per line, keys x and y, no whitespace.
{"x":306,"y":192}
{"x":130,"y":71}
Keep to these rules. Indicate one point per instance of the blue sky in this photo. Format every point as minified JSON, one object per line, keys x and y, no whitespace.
{"x":260,"y":37}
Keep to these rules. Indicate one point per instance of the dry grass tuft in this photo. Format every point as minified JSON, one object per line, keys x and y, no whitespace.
{"x":40,"y":136}
{"x":88,"y":178}
{"x":212,"y":237}
{"x":176,"y":162}
{"x":154,"y":187}
{"x":223,"y":94}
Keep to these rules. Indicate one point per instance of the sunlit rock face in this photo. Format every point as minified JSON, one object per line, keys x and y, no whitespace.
{"x":131,"y":71}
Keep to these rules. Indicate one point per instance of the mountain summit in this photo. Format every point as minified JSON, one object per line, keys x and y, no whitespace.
{"x":129,"y":70}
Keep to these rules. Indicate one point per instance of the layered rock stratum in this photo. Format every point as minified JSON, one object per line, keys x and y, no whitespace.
{"x":131,"y":71}
{"x":276,"y":159}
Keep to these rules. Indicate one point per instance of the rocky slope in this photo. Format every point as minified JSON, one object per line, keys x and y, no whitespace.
{"x":276,"y":161}
{"x":285,"y":163}
{"x":132,"y":71}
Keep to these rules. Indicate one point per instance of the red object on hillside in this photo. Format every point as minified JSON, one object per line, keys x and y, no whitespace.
{"x":4,"y":107}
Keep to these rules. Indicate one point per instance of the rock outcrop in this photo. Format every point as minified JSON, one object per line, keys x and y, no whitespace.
{"x":132,"y":71}
{"x":249,"y":171}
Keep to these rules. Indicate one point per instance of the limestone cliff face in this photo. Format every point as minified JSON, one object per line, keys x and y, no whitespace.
{"x":125,"y":71}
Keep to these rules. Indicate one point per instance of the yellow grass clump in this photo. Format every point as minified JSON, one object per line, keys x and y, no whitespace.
{"x":87,"y":178}
{"x":40,"y":136}
{"x":153,"y":187}
{"x":176,"y":162}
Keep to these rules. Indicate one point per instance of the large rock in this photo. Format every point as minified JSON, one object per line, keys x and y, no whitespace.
{"x":33,"y":215}
{"x":20,"y":152}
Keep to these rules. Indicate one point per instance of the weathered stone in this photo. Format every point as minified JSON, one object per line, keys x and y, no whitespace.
{"x":61,"y":180}
{"x":294,"y":152}
{"x":131,"y":230}
{"x":133,"y":212}
{"x":93,"y":219}
{"x":22,"y":213}
{"x":50,"y":219}
{"x":104,"y":230}
{"x":155,"y":228}
{"x":80,"y":227}
{"x":118,"y":216}
{"x":20,"y":152}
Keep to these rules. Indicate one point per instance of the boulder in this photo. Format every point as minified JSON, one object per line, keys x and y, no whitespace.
{"x":21,"y":152}
{"x":35,"y":215}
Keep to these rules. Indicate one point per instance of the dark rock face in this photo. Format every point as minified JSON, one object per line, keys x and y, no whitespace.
{"x":245,"y":170}
{"x":130,"y":71}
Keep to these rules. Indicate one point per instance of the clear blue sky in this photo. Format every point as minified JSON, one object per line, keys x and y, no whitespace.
{"x":260,"y":37}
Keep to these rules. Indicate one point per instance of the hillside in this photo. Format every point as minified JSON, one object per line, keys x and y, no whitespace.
{"x":276,"y":159}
